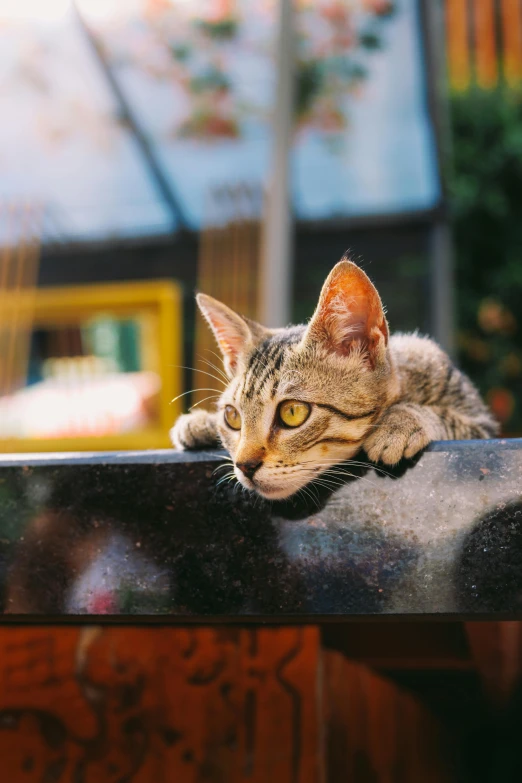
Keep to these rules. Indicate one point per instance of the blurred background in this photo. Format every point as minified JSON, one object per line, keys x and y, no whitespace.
{"x":240,"y":147}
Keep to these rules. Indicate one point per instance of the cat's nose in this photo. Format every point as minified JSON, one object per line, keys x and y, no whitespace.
{"x":249,"y":467}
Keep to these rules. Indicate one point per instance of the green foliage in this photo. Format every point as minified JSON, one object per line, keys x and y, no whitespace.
{"x":212,"y":79}
{"x":180,"y":52}
{"x":221,"y":29}
{"x":310,"y":80}
{"x":316,"y":78}
{"x":486,"y":198}
{"x":370,"y":40}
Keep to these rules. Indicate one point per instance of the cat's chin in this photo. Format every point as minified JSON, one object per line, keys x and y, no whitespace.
{"x":269,"y":493}
{"x":275,"y":494}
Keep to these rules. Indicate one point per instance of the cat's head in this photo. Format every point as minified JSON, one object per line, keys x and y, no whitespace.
{"x":302,"y":399}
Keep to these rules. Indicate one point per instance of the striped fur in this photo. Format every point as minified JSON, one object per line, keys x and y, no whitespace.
{"x":386,"y":396}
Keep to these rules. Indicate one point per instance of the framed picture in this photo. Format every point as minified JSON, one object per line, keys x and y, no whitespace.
{"x":102,"y":366}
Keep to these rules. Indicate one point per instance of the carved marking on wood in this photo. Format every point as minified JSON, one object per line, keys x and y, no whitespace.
{"x":30,"y":663}
{"x":131,"y":706}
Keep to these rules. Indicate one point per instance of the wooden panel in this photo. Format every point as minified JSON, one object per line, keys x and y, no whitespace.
{"x":104,"y":706}
{"x":458,"y":43}
{"x":402,"y":645}
{"x":490,"y":49}
{"x":377,"y":733}
{"x":19,"y":261}
{"x":228,"y":269}
{"x":497,"y":653}
{"x":511,"y":18}
{"x":201,"y":705}
{"x":486,"y":63}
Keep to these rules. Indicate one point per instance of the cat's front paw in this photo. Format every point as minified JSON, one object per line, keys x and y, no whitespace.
{"x":402,"y":432}
{"x":195,"y":431}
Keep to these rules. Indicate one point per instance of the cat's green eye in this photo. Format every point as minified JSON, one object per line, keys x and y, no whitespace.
{"x":293,"y":413}
{"x":232,"y":417}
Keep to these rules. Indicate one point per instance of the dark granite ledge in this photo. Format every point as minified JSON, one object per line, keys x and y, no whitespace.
{"x":153,"y":537}
{"x":171,"y":456}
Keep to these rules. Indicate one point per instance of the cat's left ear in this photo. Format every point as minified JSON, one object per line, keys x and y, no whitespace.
{"x":350,"y":315}
{"x":235,"y":335}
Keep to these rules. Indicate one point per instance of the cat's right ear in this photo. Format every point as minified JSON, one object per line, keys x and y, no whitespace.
{"x":350,"y":315}
{"x":232,"y":332}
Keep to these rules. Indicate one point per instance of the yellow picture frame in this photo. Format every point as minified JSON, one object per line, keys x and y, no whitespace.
{"x":162,"y":299}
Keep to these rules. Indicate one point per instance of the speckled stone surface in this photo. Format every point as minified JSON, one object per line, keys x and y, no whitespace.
{"x":154,"y":534}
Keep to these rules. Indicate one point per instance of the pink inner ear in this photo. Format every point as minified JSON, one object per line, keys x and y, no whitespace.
{"x":342,"y":321}
{"x":350,"y":312}
{"x":230,"y":343}
{"x":230,"y":332}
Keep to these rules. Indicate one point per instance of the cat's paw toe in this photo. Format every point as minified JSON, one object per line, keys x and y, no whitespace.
{"x":194,"y":431}
{"x":180,"y":434}
{"x":417,"y":441}
{"x":373,"y":449}
{"x":388,"y":450}
{"x":389,"y":447}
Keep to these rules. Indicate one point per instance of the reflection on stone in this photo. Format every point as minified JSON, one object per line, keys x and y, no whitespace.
{"x":489,"y":569}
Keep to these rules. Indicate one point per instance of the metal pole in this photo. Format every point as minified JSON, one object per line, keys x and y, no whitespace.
{"x":441,"y":265}
{"x":442,"y":286}
{"x":276,"y":267}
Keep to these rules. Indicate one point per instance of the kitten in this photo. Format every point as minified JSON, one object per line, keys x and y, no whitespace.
{"x":302,"y":399}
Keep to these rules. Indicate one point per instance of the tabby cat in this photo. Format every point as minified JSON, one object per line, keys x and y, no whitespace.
{"x":303,"y":399}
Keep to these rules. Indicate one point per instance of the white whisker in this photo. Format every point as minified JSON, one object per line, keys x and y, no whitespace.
{"x":219,"y":371}
{"x":194,"y":390}
{"x":210,"y":397}
{"x":204,"y":372}
{"x":306,"y":491}
{"x":226,"y":478}
{"x":220,"y":467}
{"x":218,"y":357}
{"x":355,"y":463}
{"x":345,"y":473}
{"x":328,"y":484}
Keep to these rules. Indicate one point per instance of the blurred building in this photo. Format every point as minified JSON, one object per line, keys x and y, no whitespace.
{"x":133,"y":126}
